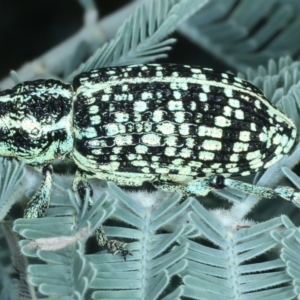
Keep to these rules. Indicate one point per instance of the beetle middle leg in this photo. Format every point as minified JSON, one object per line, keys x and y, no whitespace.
{"x":38,"y":205}
{"x":202,"y":187}
{"x":83,"y":188}
{"x":284,"y":192}
{"x":199,"y":187}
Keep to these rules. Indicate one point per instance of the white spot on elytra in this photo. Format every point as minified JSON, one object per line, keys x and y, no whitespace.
{"x":289,"y":145}
{"x":205,"y":88}
{"x":120,"y":97}
{"x":117,"y":150}
{"x":210,"y":132}
{"x":175,"y":105}
{"x":277,"y":139}
{"x":278,"y":150}
{"x":179,"y":116}
{"x":216,"y":166}
{"x":257,"y":104}
{"x":140,"y":106}
{"x":184,"y":129}
{"x":201,"y":76}
{"x":263,"y":137}
{"x":227,"y":111}
{"x":105,"y":97}
{"x":190,"y":142}
{"x":206,"y":155}
{"x":185,"y":153}
{"x":279,"y":119}
{"x":111,"y":129}
{"x":124,"y":87}
{"x":240,"y":147}
{"x":94,"y":109}
{"x":157,"y":116}
{"x":151,"y":139}
{"x":170,"y":151}
{"x":234,"y":103}
{"x":185,"y":171}
{"x":166,"y":128}
{"x":146,"y":95}
{"x":245,"y":173}
{"x":203,"y":97}
{"x":95,"y":120}
{"x":178,"y":162}
{"x":212,"y":145}
{"x":171,"y":140}
{"x":121,"y":116}
{"x":179,"y":86}
{"x":233,"y":170}
{"x":123,"y":140}
{"x":239,"y":114}
{"x":284,"y":140}
{"x":193,"y":105}
{"x":253,"y":126}
{"x":230,"y":166}
{"x":177,"y":95}
{"x":234,"y":157}
{"x":237,"y":84}
{"x":253,"y":155}
{"x":141,"y":149}
{"x":244,"y":136}
{"x":228,"y":92}
{"x":222,"y":121}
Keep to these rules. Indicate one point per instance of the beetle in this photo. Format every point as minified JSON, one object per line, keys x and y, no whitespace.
{"x":182,"y":128}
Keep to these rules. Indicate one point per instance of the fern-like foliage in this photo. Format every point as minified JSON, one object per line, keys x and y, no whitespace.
{"x":142,"y":38}
{"x":246,"y":33}
{"x":59,"y":241}
{"x":7,"y":287}
{"x":213,"y":255}
{"x":232,"y":269}
{"x":11,"y":176}
{"x":145,"y":274}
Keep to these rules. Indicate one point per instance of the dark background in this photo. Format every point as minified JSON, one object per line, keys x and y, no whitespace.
{"x":30,"y":28}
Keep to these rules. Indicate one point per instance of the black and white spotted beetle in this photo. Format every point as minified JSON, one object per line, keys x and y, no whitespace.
{"x":180,"y":127}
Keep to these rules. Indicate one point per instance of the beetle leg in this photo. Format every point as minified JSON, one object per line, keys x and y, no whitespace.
{"x":81,"y":186}
{"x":288,"y":194}
{"x":38,"y":205}
{"x":198,"y":187}
{"x":203,"y":186}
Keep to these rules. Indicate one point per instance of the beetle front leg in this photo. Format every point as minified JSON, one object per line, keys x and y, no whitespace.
{"x":82,"y":187}
{"x":38,"y":205}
